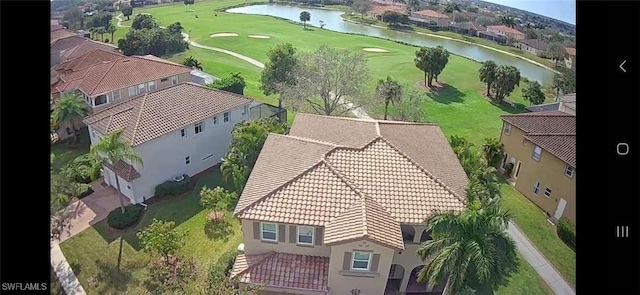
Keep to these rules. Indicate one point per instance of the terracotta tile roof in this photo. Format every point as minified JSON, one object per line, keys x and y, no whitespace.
{"x":535,"y":43}
{"x":65,"y":41}
{"x":124,"y":170}
{"x":85,"y":47}
{"x":553,"y":131}
{"x":331,"y":182}
{"x":570,"y":51}
{"x":505,"y":29}
{"x":283,"y":270}
{"x":56,"y":27}
{"x":380,"y":9}
{"x":96,"y":56}
{"x":469,"y":26}
{"x":121,"y":73}
{"x":430,"y":13}
{"x":157,"y":113}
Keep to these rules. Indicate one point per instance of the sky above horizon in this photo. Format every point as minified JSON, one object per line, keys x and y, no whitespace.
{"x":564,"y":10}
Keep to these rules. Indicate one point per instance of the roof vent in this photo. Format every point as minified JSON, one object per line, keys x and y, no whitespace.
{"x":126,"y":60}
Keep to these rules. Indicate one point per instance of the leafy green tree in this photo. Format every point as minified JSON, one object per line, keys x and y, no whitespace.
{"x":555,"y":52}
{"x":393,"y":18}
{"x":507,"y":78}
{"x":564,"y":82}
{"x":69,"y":109}
{"x":176,"y":28}
{"x":361,"y":6}
{"x":247,"y":139}
{"x":171,"y":275}
{"x":188,"y":4}
{"x":431,"y":61}
{"x":101,"y":31}
{"x":233,"y":83}
{"x":471,"y":249}
{"x":533,"y":93}
{"x":508,"y":21}
{"x":488,"y":74}
{"x":62,"y":191}
{"x":143,"y":21}
{"x":100,"y":19}
{"x":452,"y":7}
{"x":155,"y":41}
{"x":278,"y":71}
{"x":410,"y":107}
{"x":191,"y":62}
{"x":389,"y":90}
{"x":83,"y":169}
{"x":218,"y":198}
{"x":305,"y":16}
{"x":161,"y":238}
{"x":483,"y":181}
{"x":127,"y":11}
{"x":493,"y":151}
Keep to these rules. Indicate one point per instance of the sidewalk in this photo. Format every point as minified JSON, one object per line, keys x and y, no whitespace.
{"x":64,"y":272}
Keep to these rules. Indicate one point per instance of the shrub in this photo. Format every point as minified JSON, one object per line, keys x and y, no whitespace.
{"x":567,"y":231}
{"x":171,"y":274}
{"x":172,"y":188}
{"x":221,"y":268}
{"x":119,"y":220}
{"x":106,"y":40}
{"x":86,"y":193}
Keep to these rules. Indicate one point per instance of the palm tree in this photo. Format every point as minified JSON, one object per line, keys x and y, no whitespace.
{"x":471,"y":250}
{"x":508,"y":21}
{"x":305,"y":16}
{"x":390,"y":91}
{"x":113,"y":149}
{"x":492,"y":150}
{"x":92,"y":31}
{"x":452,"y":7}
{"x":70,"y":108}
{"x":558,"y":84}
{"x":192,"y":63}
{"x":101,"y":31}
{"x":110,"y":29}
{"x":488,"y":74}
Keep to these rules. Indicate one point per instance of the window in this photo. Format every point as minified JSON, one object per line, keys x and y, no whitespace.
{"x":507,"y":128}
{"x":547,"y":192}
{"x":152,"y":85}
{"x":568,"y":171}
{"x":115,"y":95}
{"x":215,"y":120}
{"x":305,"y":235}
{"x":174,"y":80}
{"x":226,"y":118}
{"x":361,"y":261}
{"x":537,"y":151}
{"x":187,"y":161}
{"x":132,"y":91}
{"x":142,"y":88}
{"x":183,"y":132}
{"x":536,"y":187}
{"x":164,"y":80}
{"x":269,"y":232}
{"x":199,"y":127}
{"x":245,"y":110}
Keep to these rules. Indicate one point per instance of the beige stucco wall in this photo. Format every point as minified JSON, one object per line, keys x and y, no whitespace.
{"x":124,"y":92}
{"x":253,"y":246}
{"x":507,"y":34}
{"x":342,"y":282}
{"x":549,"y":171}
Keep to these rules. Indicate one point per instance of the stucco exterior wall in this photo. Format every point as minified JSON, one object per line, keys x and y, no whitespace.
{"x":254,"y":246}
{"x":342,"y":281}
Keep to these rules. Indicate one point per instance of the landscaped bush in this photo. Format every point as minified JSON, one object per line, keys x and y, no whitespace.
{"x":86,"y":193}
{"x":119,"y":220}
{"x":567,"y":232}
{"x":221,"y":268}
{"x":172,"y":188}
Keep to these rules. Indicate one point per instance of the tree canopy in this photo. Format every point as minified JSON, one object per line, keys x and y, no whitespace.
{"x":305,"y":16}
{"x":533,"y":93}
{"x":431,"y":61}
{"x":488,"y":74}
{"x":361,"y":6}
{"x":161,"y":238}
{"x":390,"y":91}
{"x":507,"y":78}
{"x":146,"y":37}
{"x":279,"y":69}
{"x":234,"y":83}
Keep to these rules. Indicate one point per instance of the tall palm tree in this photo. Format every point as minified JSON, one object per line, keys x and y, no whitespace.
{"x":110,"y":29}
{"x":70,"y":108}
{"x":113,"y":149}
{"x":101,"y":31}
{"x":390,"y":91}
{"x":508,"y":21}
{"x":92,"y":31}
{"x":471,"y":250}
{"x":193,"y":63}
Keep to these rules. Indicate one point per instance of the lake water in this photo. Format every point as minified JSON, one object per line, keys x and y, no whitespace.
{"x":333,"y":21}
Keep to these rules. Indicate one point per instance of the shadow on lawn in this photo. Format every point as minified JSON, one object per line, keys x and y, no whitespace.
{"x":218,"y":230}
{"x":517,"y":107}
{"x":110,"y":279}
{"x":445,"y":94}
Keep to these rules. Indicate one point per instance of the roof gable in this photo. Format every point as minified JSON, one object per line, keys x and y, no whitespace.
{"x":89,"y":59}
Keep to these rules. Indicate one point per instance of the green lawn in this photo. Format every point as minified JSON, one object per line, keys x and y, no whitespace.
{"x":525,"y":282}
{"x":533,"y":223}
{"x":64,"y":152}
{"x":93,"y":253}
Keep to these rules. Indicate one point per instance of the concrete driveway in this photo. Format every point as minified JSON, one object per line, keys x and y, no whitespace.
{"x":92,"y":208}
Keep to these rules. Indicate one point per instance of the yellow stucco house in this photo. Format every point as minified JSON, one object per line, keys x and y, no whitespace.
{"x":338,"y":206}
{"x":540,"y":157}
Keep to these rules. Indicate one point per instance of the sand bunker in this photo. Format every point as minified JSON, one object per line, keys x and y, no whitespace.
{"x":259,"y":36}
{"x":375,"y":50}
{"x":224,"y":35}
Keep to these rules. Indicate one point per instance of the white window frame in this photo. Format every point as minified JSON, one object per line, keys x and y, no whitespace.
{"x":300,"y":230}
{"x":174,"y":80}
{"x":215,"y":120}
{"x":353,"y":260}
{"x":507,"y":128}
{"x":187,"y":160}
{"x":143,"y":89}
{"x":155,"y":86}
{"x":262,"y":231}
{"x":183,"y":132}
{"x":567,"y":173}
{"x":113,"y":95}
{"x":195,"y":128}
{"x":135,"y":90}
{"x":547,"y":190}
{"x":533,"y":155}
{"x":536,"y":188}
{"x":226,"y":117}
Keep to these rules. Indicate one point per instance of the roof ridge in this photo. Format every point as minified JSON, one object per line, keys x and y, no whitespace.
{"x":436,"y":179}
{"x":262,"y":258}
{"x":550,"y":134}
{"x":304,"y":139}
{"x":338,"y":117}
{"x":113,"y":63}
{"x":135,"y":127}
{"x":348,"y":148}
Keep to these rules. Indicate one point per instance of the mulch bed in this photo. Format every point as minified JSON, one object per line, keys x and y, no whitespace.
{"x":436,"y":85}
{"x":194,"y":182}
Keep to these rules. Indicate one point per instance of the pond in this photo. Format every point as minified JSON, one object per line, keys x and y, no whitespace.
{"x":333,"y":21}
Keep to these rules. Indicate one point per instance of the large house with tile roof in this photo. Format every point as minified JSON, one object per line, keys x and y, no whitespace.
{"x":506,"y":32}
{"x":181,"y":129}
{"x":338,"y":206}
{"x":540,"y":158}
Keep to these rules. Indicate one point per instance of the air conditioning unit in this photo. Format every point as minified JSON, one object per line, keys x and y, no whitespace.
{"x":178,"y":178}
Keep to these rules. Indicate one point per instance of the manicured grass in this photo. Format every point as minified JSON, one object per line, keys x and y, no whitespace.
{"x":533,"y":223}
{"x":64,"y":152}
{"x":93,"y":253}
{"x":524,"y":282}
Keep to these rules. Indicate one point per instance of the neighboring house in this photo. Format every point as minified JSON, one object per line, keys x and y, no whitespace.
{"x":430,"y":18}
{"x":182,"y":129}
{"x":338,"y":206}
{"x":377,"y":10}
{"x":71,"y":46}
{"x":565,"y":103}
{"x":110,"y":81}
{"x":467,"y":28}
{"x":570,"y":58}
{"x":93,"y":57}
{"x":202,"y":78}
{"x":507,"y":32}
{"x":493,"y":37}
{"x":541,"y":148}
{"x":554,"y":106}
{"x":535,"y":46}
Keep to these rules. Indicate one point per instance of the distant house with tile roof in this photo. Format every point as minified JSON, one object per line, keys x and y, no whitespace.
{"x":570,"y":57}
{"x":534,"y":46}
{"x":66,"y":45}
{"x":181,"y":129}
{"x":430,"y":18}
{"x":565,"y":103}
{"x":339,"y":204}
{"x":540,"y":157}
{"x":506,"y":32}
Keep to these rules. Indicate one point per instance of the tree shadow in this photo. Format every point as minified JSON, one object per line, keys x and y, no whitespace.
{"x":112,"y":280}
{"x":511,"y":108}
{"x":218,"y":230}
{"x":443,"y":93}
{"x":308,"y":29}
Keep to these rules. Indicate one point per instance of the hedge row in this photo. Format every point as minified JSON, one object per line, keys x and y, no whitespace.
{"x":119,"y":220}
{"x":172,"y":188}
{"x":566,"y":231}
